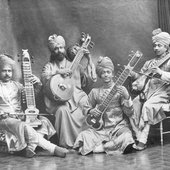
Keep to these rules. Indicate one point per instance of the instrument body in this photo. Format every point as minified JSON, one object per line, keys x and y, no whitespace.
{"x":96,"y":122}
{"x":139,"y":83}
{"x":29,"y":92}
{"x":60,"y":88}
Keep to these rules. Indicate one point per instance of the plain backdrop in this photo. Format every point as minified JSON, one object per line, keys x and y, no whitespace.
{"x":116,"y":27}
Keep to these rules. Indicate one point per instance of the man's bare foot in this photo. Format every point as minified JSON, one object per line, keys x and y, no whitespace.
{"x":140,"y":146}
{"x":60,"y":152}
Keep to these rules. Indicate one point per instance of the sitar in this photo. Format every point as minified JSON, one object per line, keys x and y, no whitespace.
{"x":96,"y":121}
{"x":61,"y":88}
{"x":31,"y":112}
{"x":140,"y":82}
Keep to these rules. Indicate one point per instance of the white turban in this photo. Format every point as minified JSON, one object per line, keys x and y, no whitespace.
{"x":55,"y":40}
{"x":161,"y":37}
{"x":4,"y":60}
{"x":104,"y":62}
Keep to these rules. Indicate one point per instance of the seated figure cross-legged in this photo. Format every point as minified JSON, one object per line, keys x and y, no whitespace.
{"x":115,"y":134}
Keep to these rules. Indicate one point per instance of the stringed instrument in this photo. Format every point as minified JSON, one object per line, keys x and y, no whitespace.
{"x":140,"y":82}
{"x":61,"y":88}
{"x":96,"y":122}
{"x":31,"y":112}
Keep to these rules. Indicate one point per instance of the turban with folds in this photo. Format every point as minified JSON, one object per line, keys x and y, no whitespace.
{"x":5,"y":60}
{"x":161,"y":37}
{"x":55,"y":40}
{"x":104,"y":62}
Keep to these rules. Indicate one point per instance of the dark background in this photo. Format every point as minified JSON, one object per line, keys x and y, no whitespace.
{"x":116,"y":27}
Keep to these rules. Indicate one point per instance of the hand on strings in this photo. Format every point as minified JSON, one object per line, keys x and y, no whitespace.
{"x":3,"y":115}
{"x":156,"y":70}
{"x":34,"y":79}
{"x":133,"y":74}
{"x":95,"y":112}
{"x":87,"y":54}
{"x":65,"y":72}
{"x":123,"y":91}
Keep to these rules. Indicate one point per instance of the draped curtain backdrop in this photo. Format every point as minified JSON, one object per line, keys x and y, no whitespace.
{"x":164,"y":15}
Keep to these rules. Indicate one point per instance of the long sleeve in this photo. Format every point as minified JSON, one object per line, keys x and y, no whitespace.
{"x":165,"y":76}
{"x":127,"y":106}
{"x":46,"y":73}
{"x":91,"y":103}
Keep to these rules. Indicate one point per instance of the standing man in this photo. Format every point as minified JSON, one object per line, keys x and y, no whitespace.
{"x":69,"y":118}
{"x":19,"y":135}
{"x":149,"y":106}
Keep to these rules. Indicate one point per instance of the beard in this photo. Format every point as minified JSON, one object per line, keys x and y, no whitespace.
{"x":58,"y":56}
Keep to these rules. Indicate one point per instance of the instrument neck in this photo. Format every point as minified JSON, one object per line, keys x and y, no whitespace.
{"x":108,"y":99}
{"x":29,"y":89}
{"x":77,"y":60}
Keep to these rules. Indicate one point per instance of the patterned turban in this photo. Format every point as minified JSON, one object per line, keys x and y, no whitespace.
{"x":161,"y":37}
{"x":4,"y":60}
{"x":55,"y":40}
{"x":104,"y":62}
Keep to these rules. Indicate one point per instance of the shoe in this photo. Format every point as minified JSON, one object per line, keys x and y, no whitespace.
{"x":60,"y":152}
{"x":140,"y":146}
{"x":129,"y":149}
{"x":29,"y":153}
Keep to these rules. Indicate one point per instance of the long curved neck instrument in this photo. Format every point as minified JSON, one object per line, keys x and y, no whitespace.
{"x":29,"y":91}
{"x":97,"y":122}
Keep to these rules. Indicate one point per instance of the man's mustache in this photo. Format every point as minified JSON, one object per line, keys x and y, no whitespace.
{"x":7,"y":77}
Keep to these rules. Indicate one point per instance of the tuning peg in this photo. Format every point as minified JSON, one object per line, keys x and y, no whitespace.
{"x":83,"y":34}
{"x":19,"y":60}
{"x":92,"y":43}
{"x":119,"y":72}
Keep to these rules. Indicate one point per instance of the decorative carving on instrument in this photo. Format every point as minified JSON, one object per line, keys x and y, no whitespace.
{"x":31,"y":111}
{"x":97,"y":122}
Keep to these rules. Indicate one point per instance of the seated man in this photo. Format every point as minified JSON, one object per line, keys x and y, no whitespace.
{"x":115,"y":134}
{"x":153,"y":82}
{"x":69,"y":118}
{"x":18,"y":134}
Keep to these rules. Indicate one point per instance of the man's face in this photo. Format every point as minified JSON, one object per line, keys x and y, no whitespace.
{"x":6,"y":73}
{"x":59,"y":52}
{"x":107,"y":75}
{"x":159,"y":49}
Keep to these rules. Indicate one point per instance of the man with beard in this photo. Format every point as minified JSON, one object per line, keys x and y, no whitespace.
{"x":69,"y":118}
{"x":150,"y":105}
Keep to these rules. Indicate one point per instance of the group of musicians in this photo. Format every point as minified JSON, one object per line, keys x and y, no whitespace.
{"x":118,"y":125}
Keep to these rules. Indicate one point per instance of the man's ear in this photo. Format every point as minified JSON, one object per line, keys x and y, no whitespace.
{"x":113,"y":73}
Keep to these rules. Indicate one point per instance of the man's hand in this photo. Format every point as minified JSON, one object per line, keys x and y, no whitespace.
{"x":34,"y":79}
{"x":123,"y":91}
{"x":156,"y":70}
{"x":87,"y":54}
{"x":3,"y":115}
{"x":65,"y":72}
{"x":95,"y":112}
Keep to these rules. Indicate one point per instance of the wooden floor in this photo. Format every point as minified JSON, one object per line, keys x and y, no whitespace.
{"x":154,"y":157}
